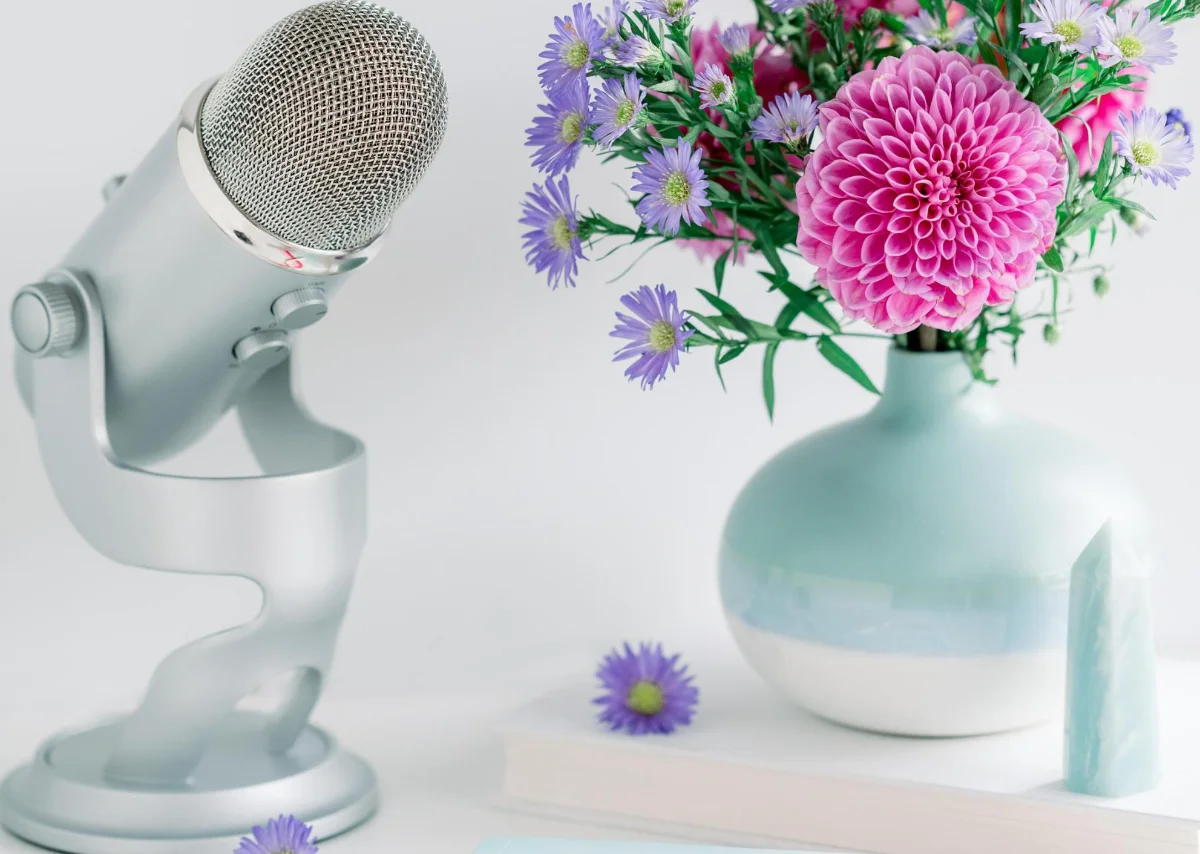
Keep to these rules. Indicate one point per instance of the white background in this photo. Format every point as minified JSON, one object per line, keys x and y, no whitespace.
{"x":530,"y":508}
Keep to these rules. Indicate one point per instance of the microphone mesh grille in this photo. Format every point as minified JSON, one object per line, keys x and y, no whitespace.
{"x":326,"y":123}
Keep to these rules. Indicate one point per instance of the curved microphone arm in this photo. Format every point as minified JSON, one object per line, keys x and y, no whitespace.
{"x":297,"y":532}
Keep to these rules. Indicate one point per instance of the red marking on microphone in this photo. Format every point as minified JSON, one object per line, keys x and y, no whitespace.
{"x":292,"y":261}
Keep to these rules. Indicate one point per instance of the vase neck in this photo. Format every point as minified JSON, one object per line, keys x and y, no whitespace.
{"x":925,"y":383}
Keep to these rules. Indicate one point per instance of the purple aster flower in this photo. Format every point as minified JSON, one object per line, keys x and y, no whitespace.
{"x":281,"y":836}
{"x":715,"y":87}
{"x":553,"y":245}
{"x":675,"y":185}
{"x":635,"y":51}
{"x":1139,"y":38}
{"x":671,"y":11}
{"x":1153,"y":148}
{"x":736,"y":39}
{"x":613,"y":20}
{"x":577,"y":41}
{"x":558,"y":132}
{"x":655,"y":333}
{"x":1071,"y":24}
{"x":788,"y":120}
{"x":617,"y":106}
{"x":782,"y":6}
{"x":929,"y":31}
{"x":645,"y":691}
{"x":1175,"y":118}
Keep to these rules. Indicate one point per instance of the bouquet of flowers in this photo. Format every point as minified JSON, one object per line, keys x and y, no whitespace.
{"x":931,"y":159}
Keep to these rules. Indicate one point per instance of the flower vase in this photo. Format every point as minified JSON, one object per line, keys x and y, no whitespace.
{"x":908,"y":571}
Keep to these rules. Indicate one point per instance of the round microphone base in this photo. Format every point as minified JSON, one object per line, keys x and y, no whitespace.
{"x":63,"y":801}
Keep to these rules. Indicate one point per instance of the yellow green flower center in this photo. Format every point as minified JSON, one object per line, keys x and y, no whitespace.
{"x":625,"y":112}
{"x":676,"y":7}
{"x":560,"y":233}
{"x":1130,"y":46}
{"x":1145,"y":153}
{"x":1069,"y":30}
{"x":576,"y":54}
{"x":645,"y":698}
{"x":663,"y":337}
{"x":718,"y":90}
{"x":676,"y":189}
{"x":571,"y":128}
{"x":943,"y":35}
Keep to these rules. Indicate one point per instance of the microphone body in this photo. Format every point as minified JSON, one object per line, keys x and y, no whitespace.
{"x":178,"y":295}
{"x":276,"y":181}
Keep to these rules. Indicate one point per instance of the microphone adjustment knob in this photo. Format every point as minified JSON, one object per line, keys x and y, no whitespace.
{"x":262,"y":350}
{"x":300,"y":308}
{"x":45,"y":319}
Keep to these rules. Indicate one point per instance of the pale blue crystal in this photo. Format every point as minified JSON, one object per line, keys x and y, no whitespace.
{"x":1111,"y":739}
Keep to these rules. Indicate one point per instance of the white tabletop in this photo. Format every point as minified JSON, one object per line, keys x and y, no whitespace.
{"x":439,"y":767}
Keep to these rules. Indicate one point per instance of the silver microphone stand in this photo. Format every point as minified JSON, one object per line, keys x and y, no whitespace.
{"x":188,"y":771}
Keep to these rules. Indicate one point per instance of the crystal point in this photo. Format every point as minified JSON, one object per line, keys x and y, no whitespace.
{"x":1111,"y":738}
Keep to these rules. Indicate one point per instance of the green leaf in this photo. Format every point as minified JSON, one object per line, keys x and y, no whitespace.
{"x":769,"y":378}
{"x":718,"y":192}
{"x":667,"y":86}
{"x":719,"y":269}
{"x":733,"y":352}
{"x":767,"y":246}
{"x":1104,"y":168}
{"x":844,"y":362}
{"x":717,"y":365}
{"x":698,"y":337}
{"x":729,"y":313}
{"x":719,"y":132}
{"x":806,"y":301}
{"x":1014,"y":62}
{"x":1053,"y":260}
{"x":708,"y":322}
{"x":1090,"y":218}
{"x":1128,"y":205}
{"x":1072,"y":166}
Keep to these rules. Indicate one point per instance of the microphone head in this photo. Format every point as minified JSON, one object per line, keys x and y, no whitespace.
{"x":326,"y":123}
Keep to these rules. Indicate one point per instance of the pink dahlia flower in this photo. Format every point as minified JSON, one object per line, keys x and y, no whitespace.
{"x":1087,"y":127}
{"x":933,"y":192}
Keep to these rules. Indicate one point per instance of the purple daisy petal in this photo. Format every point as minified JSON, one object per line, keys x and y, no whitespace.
{"x":613,"y":20}
{"x":789,"y":120}
{"x":645,"y":691}
{"x":715,"y":87}
{"x":617,"y":108}
{"x":1154,"y":149}
{"x":552,"y":245}
{"x":671,"y":11}
{"x":576,"y":42}
{"x":736,"y":39}
{"x":1176,"y":118}
{"x":675,"y":186}
{"x":283,"y":835}
{"x":558,"y":133}
{"x":656,"y":334}
{"x":1135,"y":37}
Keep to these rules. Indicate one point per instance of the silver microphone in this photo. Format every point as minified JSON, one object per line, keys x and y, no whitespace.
{"x":276,"y":182}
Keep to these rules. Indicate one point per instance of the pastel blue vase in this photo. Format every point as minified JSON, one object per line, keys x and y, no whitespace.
{"x":908,"y":571}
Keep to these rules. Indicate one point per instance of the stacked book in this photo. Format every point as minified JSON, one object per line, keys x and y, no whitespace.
{"x":756,"y":771}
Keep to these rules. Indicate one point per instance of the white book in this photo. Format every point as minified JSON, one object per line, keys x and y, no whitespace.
{"x":754,"y":770}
